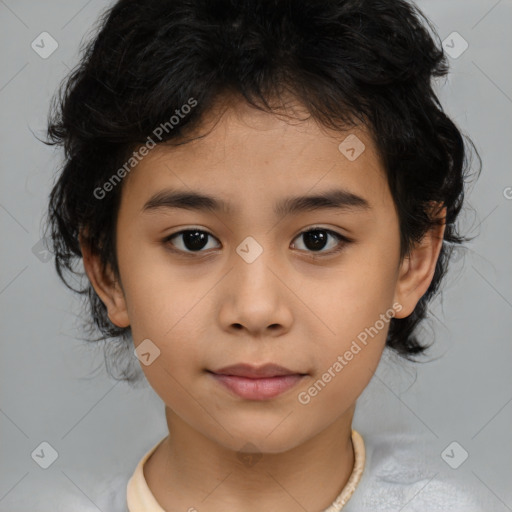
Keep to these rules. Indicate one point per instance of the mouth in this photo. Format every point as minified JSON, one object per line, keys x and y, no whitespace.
{"x":257,"y":383}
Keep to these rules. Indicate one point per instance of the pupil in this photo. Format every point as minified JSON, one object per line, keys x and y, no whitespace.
{"x":315,"y":240}
{"x":194,"y":240}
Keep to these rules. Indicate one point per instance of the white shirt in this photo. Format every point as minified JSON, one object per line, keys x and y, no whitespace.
{"x":402,"y":473}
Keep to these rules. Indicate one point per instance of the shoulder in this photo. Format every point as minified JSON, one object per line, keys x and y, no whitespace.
{"x":112,"y":495}
{"x":404,"y":471}
{"x":79,"y":491}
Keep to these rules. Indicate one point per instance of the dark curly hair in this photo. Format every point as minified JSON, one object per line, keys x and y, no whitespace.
{"x":349,"y":62}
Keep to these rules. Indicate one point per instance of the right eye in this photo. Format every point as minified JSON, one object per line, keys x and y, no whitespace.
{"x":189,"y":240}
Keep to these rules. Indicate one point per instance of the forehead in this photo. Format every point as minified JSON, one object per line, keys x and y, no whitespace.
{"x":242,"y":155}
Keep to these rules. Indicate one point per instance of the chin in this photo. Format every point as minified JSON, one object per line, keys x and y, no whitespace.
{"x":264,"y":437}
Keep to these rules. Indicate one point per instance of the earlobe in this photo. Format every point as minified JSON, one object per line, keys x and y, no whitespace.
{"x":417,"y":269}
{"x":105,"y":285}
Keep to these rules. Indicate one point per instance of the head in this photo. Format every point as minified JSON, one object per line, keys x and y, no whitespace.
{"x":253,"y":105}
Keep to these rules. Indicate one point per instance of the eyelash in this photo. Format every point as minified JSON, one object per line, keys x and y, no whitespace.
{"x":344,"y":241}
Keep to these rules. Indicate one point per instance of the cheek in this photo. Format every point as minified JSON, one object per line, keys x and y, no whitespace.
{"x":164,"y":305}
{"x":347,"y":356}
{"x":157,"y":296}
{"x":353,"y":302}
{"x":355,"y":310}
{"x":338,"y":386}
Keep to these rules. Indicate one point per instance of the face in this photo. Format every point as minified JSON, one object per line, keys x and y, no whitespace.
{"x":251,"y":281}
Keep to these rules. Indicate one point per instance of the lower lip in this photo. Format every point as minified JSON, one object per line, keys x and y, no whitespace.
{"x":258,"y":389}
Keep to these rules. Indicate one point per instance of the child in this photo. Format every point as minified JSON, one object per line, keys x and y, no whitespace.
{"x":260,"y":192}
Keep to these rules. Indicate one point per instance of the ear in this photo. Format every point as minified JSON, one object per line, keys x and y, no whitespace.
{"x":417,"y":269}
{"x":105,"y":285}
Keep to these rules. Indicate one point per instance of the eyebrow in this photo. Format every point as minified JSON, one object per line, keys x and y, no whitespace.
{"x":339,"y":199}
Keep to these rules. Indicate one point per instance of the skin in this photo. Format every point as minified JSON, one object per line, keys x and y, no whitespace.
{"x":286,"y":307}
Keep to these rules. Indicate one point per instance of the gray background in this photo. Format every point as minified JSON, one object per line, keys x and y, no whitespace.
{"x":53,"y":386}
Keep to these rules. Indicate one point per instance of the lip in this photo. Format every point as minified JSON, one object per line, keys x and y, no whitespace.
{"x":255,"y":372}
{"x":257,"y":383}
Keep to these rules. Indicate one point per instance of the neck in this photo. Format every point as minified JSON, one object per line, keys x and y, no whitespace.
{"x":189,"y":470}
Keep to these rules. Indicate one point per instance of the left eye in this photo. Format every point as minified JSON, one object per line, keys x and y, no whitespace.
{"x":315,"y":240}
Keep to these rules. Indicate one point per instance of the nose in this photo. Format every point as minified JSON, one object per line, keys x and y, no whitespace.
{"x":255,"y":298}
